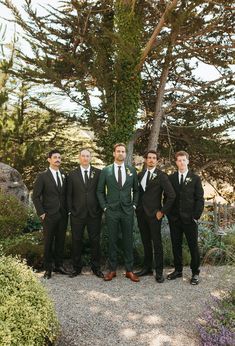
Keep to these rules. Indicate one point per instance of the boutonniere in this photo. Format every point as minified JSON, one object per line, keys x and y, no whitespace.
{"x":153,"y":176}
{"x":63,"y":176}
{"x":92,"y":174}
{"x":128,"y":172}
{"x":187,"y":180}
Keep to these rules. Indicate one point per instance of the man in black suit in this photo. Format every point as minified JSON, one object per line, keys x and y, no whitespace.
{"x":85,"y":212}
{"x":185,"y":212}
{"x":150,"y":210}
{"x":49,"y":198}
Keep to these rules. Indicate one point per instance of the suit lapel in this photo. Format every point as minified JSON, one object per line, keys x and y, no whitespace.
{"x":113,"y":175}
{"x":80,"y":177}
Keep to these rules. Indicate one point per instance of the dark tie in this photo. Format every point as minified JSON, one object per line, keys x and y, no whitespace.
{"x":181,"y":180}
{"x":147,"y":180}
{"x":119,"y":176}
{"x":58,"y":181}
{"x":86,"y":177}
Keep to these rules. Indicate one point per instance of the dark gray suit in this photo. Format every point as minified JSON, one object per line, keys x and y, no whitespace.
{"x":187,"y":208}
{"x":85,"y":212}
{"x":151,"y":201}
{"x":50,"y":200}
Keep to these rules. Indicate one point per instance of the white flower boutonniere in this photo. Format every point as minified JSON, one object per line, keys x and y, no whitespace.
{"x":128,"y":172}
{"x":153,"y":176}
{"x":92,"y":174}
{"x":187,"y":180}
{"x":63,"y":176}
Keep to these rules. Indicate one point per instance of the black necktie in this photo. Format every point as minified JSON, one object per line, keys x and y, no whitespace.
{"x":181,"y":180}
{"x":119,"y":176}
{"x":148,"y":177}
{"x":86,"y":177}
{"x":58,"y":181}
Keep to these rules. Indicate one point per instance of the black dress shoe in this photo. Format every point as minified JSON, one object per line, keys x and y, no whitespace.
{"x":174,"y":275}
{"x":47,"y":274}
{"x":144,"y":271}
{"x":159,"y":278}
{"x":75,"y":273}
{"x":98,"y":273}
{"x":61,"y":270}
{"x":194,"y":280}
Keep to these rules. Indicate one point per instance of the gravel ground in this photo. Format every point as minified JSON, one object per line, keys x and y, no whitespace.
{"x":94,"y":312}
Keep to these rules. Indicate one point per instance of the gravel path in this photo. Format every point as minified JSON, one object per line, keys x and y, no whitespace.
{"x":94,"y":312}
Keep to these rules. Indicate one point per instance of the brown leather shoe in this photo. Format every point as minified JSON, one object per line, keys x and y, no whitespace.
{"x":132,"y":276}
{"x":109,"y":276}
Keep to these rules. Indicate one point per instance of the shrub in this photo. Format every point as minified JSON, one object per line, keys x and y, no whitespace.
{"x":215,"y":248}
{"x":33,"y":222}
{"x":27,"y":315}
{"x":26,"y":246}
{"x":13,"y":215}
{"x":216,"y":326}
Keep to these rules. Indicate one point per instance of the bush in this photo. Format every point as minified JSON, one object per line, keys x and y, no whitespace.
{"x":33,"y":222}
{"x":27,"y":315}
{"x":26,"y":246}
{"x":216,"y":326}
{"x":215,"y":248}
{"x":13,"y":215}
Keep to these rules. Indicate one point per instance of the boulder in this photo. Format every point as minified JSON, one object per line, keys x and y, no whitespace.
{"x":11,"y":182}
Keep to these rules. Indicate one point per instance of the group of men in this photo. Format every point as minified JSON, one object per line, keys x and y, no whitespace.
{"x":118,"y":192}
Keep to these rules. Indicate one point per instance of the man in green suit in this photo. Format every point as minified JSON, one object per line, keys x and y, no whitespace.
{"x":117,"y":192}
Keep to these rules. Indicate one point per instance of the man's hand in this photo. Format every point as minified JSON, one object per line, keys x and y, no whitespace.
{"x":159,"y":215}
{"x":43,"y":216}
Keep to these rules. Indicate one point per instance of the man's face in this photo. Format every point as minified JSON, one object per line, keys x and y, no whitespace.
{"x":119,"y":154}
{"x":85,"y":158}
{"x":182,"y":163}
{"x":55,"y":160}
{"x":151,"y":160}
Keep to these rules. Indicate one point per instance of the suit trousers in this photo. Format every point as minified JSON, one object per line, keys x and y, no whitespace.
{"x":93,"y":225}
{"x":150,"y":231}
{"x":118,"y":221}
{"x":177,"y":228}
{"x":54,"y":227}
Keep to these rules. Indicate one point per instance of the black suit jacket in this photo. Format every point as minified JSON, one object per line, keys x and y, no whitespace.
{"x":82,"y":199}
{"x":47,"y":198}
{"x":150,"y":200}
{"x":189,"y":202}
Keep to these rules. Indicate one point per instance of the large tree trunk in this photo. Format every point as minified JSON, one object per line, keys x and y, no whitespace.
{"x":158,"y":114}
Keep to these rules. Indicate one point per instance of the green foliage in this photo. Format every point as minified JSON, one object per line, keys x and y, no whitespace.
{"x":13,"y":215}
{"x":27,"y":315}
{"x":28,"y":247}
{"x":217,"y":249}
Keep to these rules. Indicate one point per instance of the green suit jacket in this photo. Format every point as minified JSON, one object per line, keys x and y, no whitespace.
{"x":112,"y":196}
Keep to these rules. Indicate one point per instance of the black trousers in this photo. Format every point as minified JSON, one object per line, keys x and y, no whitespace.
{"x":150,"y":230}
{"x":177,"y":228}
{"x":54,"y":227}
{"x":93,"y":225}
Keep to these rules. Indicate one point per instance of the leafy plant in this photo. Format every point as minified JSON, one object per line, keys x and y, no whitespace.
{"x":27,"y":315}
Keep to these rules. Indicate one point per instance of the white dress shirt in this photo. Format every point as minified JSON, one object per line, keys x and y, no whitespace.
{"x":53,"y":171}
{"x":83,"y":172}
{"x":123,"y":171}
{"x":184,"y":175}
{"x":144,"y":179}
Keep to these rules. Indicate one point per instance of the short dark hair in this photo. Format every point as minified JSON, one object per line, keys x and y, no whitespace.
{"x":83,"y":149}
{"x":150,"y":152}
{"x":181,"y":153}
{"x":119,"y":145}
{"x":54,"y":151}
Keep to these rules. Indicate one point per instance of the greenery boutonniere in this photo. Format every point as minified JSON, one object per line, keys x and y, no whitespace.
{"x":153,"y":176}
{"x":92,"y":174}
{"x":188,"y":180}
{"x":128,"y":172}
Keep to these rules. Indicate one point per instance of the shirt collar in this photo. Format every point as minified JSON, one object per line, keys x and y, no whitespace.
{"x":184,"y":174}
{"x":53,"y":171}
{"x":151,"y":170}
{"x":116,"y":165}
{"x":85,"y":169}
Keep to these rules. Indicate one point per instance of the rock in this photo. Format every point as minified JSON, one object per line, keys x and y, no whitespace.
{"x":11,"y":182}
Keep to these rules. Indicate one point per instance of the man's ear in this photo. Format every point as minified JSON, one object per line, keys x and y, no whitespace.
{"x":49,"y":160}
{"x":113,"y":153}
{"x":187,"y":160}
